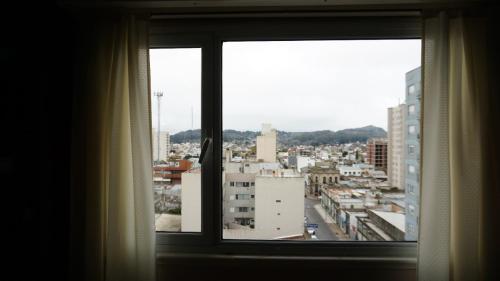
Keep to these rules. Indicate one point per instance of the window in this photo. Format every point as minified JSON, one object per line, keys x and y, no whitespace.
{"x":176,"y":177}
{"x":411,"y":149}
{"x":411,"y":169}
{"x":215,"y":44}
{"x":411,"y":109}
{"x":411,"y":129}
{"x":411,"y":89}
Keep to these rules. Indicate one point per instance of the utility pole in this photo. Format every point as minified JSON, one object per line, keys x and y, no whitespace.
{"x":158,"y":96}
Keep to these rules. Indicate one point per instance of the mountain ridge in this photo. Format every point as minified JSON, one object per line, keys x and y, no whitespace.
{"x":361,"y":134}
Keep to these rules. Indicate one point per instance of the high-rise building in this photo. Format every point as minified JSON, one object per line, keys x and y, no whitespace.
{"x":266,"y":144}
{"x":377,"y":153}
{"x":412,"y":153}
{"x":396,"y":122}
{"x":164,"y":145}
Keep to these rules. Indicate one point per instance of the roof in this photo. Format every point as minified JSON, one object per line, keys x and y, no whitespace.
{"x":396,"y":219}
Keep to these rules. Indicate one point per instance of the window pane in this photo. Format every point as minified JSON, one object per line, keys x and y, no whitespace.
{"x":176,"y":107}
{"x":306,"y":123}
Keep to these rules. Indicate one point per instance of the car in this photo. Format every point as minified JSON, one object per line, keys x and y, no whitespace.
{"x":314,"y":237}
{"x":310,"y":230}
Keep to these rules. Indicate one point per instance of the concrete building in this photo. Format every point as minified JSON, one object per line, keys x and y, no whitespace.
{"x":381,"y":226}
{"x":164,"y":145}
{"x":172,"y":170}
{"x":412,"y":153}
{"x":350,"y":171}
{"x":377,"y":153}
{"x":320,"y":176}
{"x":191,"y":201}
{"x":279,"y":205}
{"x":266,"y":144}
{"x":396,"y":122}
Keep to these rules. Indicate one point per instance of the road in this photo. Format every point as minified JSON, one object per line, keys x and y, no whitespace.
{"x":323,"y":232}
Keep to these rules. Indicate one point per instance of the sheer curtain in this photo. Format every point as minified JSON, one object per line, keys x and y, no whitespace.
{"x":455,"y":220}
{"x":113,"y":233}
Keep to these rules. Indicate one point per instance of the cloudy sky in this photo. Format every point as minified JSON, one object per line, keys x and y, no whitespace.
{"x":294,"y":85}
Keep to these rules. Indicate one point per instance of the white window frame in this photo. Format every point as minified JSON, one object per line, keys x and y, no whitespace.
{"x":209,"y":34}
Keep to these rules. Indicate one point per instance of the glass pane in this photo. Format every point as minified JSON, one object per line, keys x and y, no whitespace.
{"x":314,"y":140}
{"x":176,"y":108}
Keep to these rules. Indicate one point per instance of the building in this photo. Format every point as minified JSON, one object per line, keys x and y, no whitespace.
{"x":381,"y":226}
{"x":350,"y":171}
{"x":172,"y":170}
{"x":377,"y":153}
{"x":266,"y":144}
{"x":322,"y":175}
{"x":412,"y":153}
{"x":191,"y":201}
{"x":164,"y":145}
{"x":279,"y":205}
{"x":396,"y":122}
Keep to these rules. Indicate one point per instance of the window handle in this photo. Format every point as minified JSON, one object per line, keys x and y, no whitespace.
{"x":204,"y":148}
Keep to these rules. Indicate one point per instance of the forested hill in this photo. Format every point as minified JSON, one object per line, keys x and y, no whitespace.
{"x":292,"y":138}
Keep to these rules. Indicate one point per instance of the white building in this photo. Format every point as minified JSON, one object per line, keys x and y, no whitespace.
{"x":396,"y":141}
{"x":191,"y":201}
{"x":164,"y":145}
{"x":350,"y":171}
{"x":266,"y":144}
{"x":304,"y":161}
{"x":279,"y":205}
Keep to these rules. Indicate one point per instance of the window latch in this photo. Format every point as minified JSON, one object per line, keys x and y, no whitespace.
{"x":204,"y":148}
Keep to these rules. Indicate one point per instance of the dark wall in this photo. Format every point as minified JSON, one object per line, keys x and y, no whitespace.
{"x":35,"y":116}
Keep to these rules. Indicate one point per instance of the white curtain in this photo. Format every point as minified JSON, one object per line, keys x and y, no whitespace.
{"x":453,"y":214}
{"x":112,"y":169}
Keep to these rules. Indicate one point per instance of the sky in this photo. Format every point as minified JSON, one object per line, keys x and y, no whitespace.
{"x":296,"y":86}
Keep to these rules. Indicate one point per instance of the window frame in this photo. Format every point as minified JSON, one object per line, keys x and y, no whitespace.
{"x":210,"y":34}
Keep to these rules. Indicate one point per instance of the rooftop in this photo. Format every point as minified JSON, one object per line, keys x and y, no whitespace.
{"x":396,"y":219}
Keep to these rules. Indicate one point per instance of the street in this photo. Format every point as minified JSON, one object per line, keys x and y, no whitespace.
{"x":323,"y":232}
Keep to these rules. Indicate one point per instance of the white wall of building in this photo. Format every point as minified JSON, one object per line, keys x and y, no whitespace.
{"x":279,"y":206}
{"x":304,"y":161}
{"x":164,"y":145}
{"x":191,"y":201}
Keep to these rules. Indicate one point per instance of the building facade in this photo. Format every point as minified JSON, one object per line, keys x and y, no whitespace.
{"x":266,"y":144}
{"x":396,"y":122}
{"x":377,"y":153}
{"x":164,"y":146}
{"x":412,"y":153}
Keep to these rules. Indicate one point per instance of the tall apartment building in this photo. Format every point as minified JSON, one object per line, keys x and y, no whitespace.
{"x":396,"y":123}
{"x":377,"y":153}
{"x":412,"y":153}
{"x":164,"y":145}
{"x":266,"y":144}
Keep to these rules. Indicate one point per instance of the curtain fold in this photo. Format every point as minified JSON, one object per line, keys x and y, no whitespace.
{"x":455,"y":116}
{"x":112,"y":173}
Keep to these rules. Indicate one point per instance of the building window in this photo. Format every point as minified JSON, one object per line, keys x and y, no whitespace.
{"x":411,"y":149}
{"x":242,"y":209}
{"x":412,"y":129}
{"x":231,"y":183}
{"x":411,"y":89}
{"x":411,"y":169}
{"x":411,"y":109}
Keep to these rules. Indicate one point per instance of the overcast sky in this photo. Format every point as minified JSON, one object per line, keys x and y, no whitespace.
{"x":294,"y":85}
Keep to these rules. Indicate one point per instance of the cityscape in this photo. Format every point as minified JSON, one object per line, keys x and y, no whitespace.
{"x":276,"y":185}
